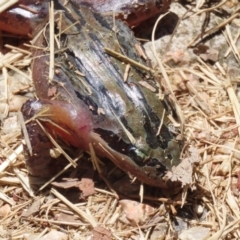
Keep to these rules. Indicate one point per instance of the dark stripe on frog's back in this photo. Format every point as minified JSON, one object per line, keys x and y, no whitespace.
{"x":103,"y":21}
{"x":113,"y":70}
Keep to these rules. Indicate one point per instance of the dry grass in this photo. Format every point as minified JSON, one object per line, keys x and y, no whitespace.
{"x":211,"y":120}
{"x":5,"y":4}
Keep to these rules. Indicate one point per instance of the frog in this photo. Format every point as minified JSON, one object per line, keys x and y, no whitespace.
{"x":88,"y":104}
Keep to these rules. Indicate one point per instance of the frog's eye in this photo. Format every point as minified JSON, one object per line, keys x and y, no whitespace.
{"x":137,"y":155}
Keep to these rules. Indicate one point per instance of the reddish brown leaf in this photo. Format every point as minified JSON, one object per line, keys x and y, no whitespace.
{"x":33,"y":209}
{"x":100,"y":233}
{"x":64,"y":217}
{"x":136,"y":212}
{"x":87,"y":187}
{"x":69,"y":183}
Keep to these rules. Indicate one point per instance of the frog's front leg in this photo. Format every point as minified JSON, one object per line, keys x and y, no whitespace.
{"x":72,"y":124}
